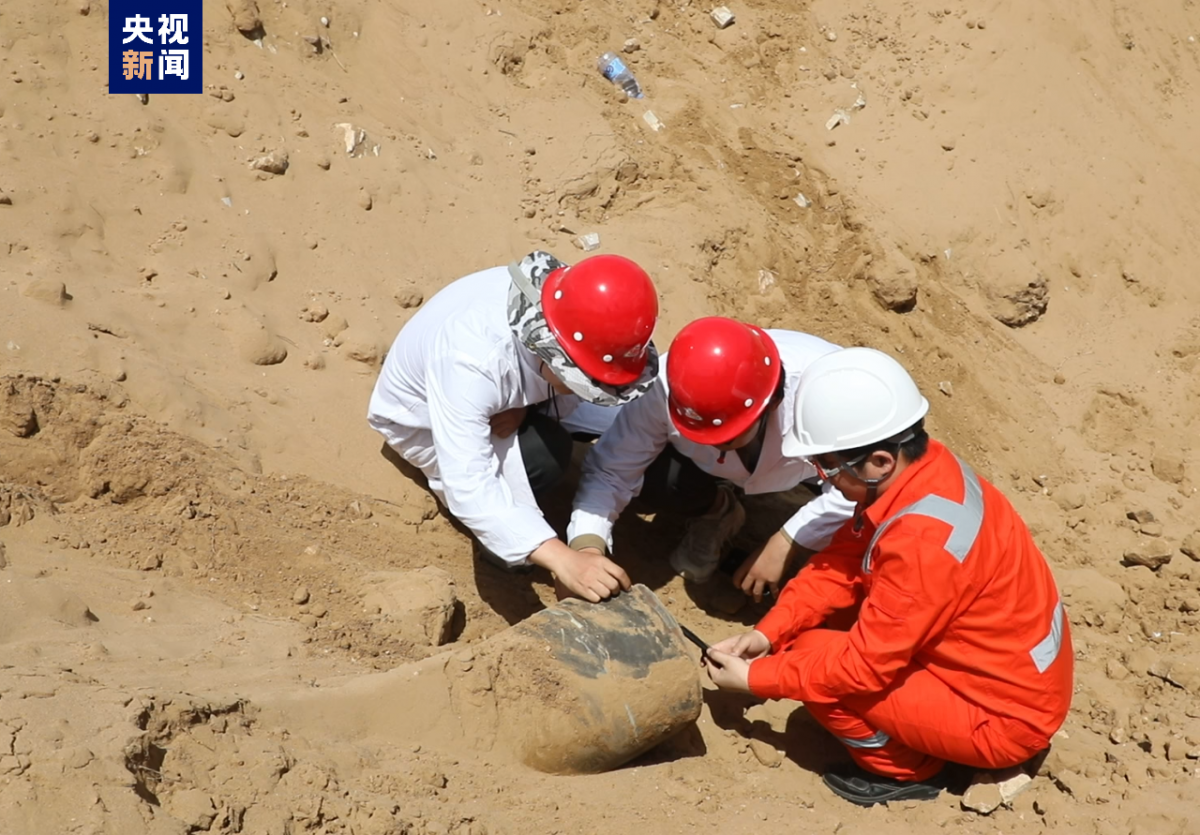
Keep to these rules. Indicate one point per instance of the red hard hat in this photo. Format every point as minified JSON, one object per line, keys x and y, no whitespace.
{"x":721,"y":375}
{"x":602,"y":311}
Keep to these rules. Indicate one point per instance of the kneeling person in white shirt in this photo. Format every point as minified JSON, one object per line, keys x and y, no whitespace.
{"x":482,"y":386}
{"x":712,"y":425}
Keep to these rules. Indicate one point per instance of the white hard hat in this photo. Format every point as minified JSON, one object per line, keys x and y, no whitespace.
{"x":850,"y":399}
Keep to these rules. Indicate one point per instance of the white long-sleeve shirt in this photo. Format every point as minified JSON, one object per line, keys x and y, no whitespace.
{"x":613,"y":470}
{"x":454,"y":365}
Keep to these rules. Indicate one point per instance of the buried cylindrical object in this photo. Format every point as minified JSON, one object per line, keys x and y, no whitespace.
{"x":583,"y":688}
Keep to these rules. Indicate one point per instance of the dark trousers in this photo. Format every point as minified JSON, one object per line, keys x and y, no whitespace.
{"x":674,"y":484}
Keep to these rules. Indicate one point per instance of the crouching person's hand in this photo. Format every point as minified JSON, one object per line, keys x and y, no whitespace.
{"x":587,"y":574}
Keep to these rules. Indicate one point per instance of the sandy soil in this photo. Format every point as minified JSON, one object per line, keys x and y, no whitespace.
{"x":198,"y":532}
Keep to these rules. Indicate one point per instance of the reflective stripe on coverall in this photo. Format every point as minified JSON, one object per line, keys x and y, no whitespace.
{"x":961,"y":650}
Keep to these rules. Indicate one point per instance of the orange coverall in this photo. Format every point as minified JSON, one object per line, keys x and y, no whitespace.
{"x":961,"y":651}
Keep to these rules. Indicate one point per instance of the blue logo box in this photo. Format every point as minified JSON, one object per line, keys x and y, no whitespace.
{"x":155,"y":46}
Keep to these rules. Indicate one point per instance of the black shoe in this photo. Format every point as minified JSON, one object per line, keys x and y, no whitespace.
{"x":865,"y":789}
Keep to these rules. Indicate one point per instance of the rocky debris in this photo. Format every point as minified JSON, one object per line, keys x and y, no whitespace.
{"x":1070,"y":496}
{"x":3,"y":557}
{"x":766,"y":753}
{"x":415,"y":606}
{"x":314,"y":362}
{"x":1115,"y":670}
{"x":1018,"y":302}
{"x":1168,"y":467}
{"x":315,"y":312}
{"x":275,"y":162}
{"x":300,"y":596}
{"x":722,"y":17}
{"x":1182,"y":672}
{"x":245,"y":17}
{"x":1153,"y":554}
{"x":192,"y":806}
{"x":5,"y":199}
{"x":991,"y":790}
{"x":1139,"y":515}
{"x":260,"y":346}
{"x":1091,"y":596}
{"x":1141,"y":660}
{"x":359,"y":347}
{"x":47,"y":290}
{"x":1191,"y":545}
{"x":365,"y":201}
{"x":354,"y":139}
{"x":893,"y":280}
{"x":359,"y":510}
{"x":409,"y":297}
{"x":333,"y":325}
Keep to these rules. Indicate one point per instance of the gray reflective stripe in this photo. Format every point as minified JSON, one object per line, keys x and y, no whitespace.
{"x":964,"y":519}
{"x":875,"y":740}
{"x":1047,"y":649}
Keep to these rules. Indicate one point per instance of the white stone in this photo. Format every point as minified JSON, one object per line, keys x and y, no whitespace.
{"x":722,"y":17}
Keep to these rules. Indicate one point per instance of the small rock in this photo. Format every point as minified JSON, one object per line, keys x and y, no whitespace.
{"x":47,"y":290}
{"x":948,"y":145}
{"x":1141,"y":660}
{"x":323,"y":162}
{"x":631,"y":46}
{"x":245,"y":15}
{"x":314,"y":362}
{"x":1151,"y":529}
{"x":359,"y":348}
{"x":300,"y":596}
{"x":139,"y":605}
{"x":85,"y":7}
{"x":5,"y":200}
{"x":588,"y":242}
{"x":722,"y":17}
{"x":766,"y":753}
{"x":1118,"y":735}
{"x":311,"y":241}
{"x":275,"y":162}
{"x":364,"y":200}
{"x":983,"y":798}
{"x":1115,"y":670}
{"x":831,"y":35}
{"x":1070,"y":782}
{"x":315,"y":312}
{"x":893,"y":280}
{"x":308,"y":621}
{"x":359,"y":510}
{"x":409,"y":298}
{"x":1140,"y":515}
{"x":3,"y":557}
{"x":1168,"y":467}
{"x":192,"y":806}
{"x":414,"y":606}
{"x":333,"y":326}
{"x":1018,"y":301}
{"x":1060,"y":379}
{"x":1191,"y":546}
{"x":1070,"y":496}
{"x":1153,"y":555}
{"x":946,"y":388}
{"x":990,"y":790}
{"x":151,"y":562}
{"x":1177,"y":750}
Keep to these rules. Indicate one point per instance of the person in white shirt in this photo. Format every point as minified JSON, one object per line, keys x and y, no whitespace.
{"x":484,"y":383}
{"x":711,"y":425}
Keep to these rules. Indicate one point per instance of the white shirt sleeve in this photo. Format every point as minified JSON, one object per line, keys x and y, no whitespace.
{"x":613,"y":469}
{"x":814,"y":525}
{"x":461,"y":399}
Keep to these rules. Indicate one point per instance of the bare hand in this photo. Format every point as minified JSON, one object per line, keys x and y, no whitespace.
{"x":727,"y":671}
{"x":748,"y":645}
{"x":764,"y":568}
{"x":507,"y":422}
{"x":587,"y":574}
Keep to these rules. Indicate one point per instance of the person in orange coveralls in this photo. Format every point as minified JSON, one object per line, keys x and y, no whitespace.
{"x":961,"y":651}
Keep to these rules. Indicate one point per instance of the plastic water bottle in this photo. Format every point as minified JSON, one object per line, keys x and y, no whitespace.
{"x":614,"y":69}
